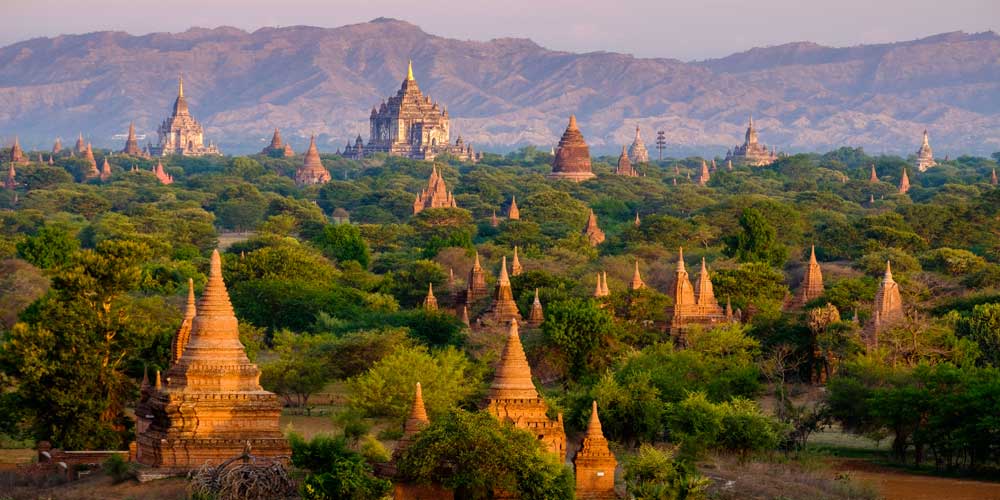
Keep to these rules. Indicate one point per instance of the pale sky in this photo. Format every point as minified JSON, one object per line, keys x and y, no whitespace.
{"x":687,"y":30}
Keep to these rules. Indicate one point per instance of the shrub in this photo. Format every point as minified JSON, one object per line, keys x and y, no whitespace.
{"x":118,"y":468}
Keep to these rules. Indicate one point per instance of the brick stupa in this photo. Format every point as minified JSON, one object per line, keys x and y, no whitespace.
{"x":88,"y":156}
{"x":504,"y":309}
{"x":513,"y":398}
{"x":925,"y":156}
{"x":17,"y":155}
{"x":637,"y":152}
{"x":212,"y":405}
{"x":430,"y":302}
{"x":537,"y":315}
{"x":435,"y":195}
{"x":513,"y":213}
{"x":572,"y":156}
{"x":888,"y":308}
{"x":636,"y":282}
{"x":693,"y":305}
{"x":131,"y":143}
{"x":625,"y":165}
{"x":312,"y":170}
{"x":595,"y":464}
{"x":515,"y":266}
{"x":476,"y":286}
{"x":593,"y":233}
{"x":812,"y":282}
{"x":904,"y":183}
{"x":277,"y":147}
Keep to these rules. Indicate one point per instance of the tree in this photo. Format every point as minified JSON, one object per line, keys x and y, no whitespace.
{"x":50,"y":247}
{"x":982,"y":325}
{"x":654,"y":474}
{"x":583,"y":334}
{"x":756,"y":241}
{"x":300,"y":369}
{"x":335,"y":471}
{"x":475,"y":454}
{"x":343,"y":242}
{"x":386,"y":390}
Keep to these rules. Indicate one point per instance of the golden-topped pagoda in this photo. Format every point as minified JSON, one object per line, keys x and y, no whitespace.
{"x":693,"y":305}
{"x":595,"y":464}
{"x":180,"y":133}
{"x":312,"y":170}
{"x":637,"y":152}
{"x":430,"y":301}
{"x":410,"y":124}
{"x":925,"y":156}
{"x":751,"y":152}
{"x":435,"y":195}
{"x":211,"y":404}
{"x":278,"y":147}
{"x":812,"y":282}
{"x":513,"y":398}
{"x":636,"y":282}
{"x":572,"y":155}
{"x":513,"y":213}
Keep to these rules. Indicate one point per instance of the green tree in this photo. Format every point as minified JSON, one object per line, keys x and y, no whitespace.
{"x":343,"y":242}
{"x":654,"y":474}
{"x":300,"y":369}
{"x":335,"y":471}
{"x":756,"y":241}
{"x":583,"y":335}
{"x":50,"y":247}
{"x":982,"y":325}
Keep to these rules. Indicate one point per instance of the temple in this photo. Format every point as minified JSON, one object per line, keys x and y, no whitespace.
{"x":812,"y":283}
{"x":410,"y":124}
{"x":430,"y":302}
{"x":10,"y":182}
{"x":56,"y":147}
{"x":513,"y":213}
{"x":637,"y":152}
{"x":161,"y":174}
{"x":181,"y":134}
{"x":17,"y":155}
{"x":312,"y":170}
{"x":503,"y":310}
{"x":131,"y":143}
{"x":513,"y":398}
{"x":593,"y":233}
{"x":80,"y":147}
{"x":278,"y":148}
{"x":625,"y":165}
{"x":602,"y":289}
{"x":92,"y":171}
{"x":435,"y":195}
{"x":693,"y":305}
{"x":888,"y":308}
{"x":476,"y":287}
{"x":704,"y":176}
{"x":925,"y":156}
{"x":572,"y":158}
{"x":105,"y":171}
{"x":636,"y":282}
{"x":537,"y":315}
{"x":211,"y":404}
{"x":751,"y":152}
{"x":515,"y":265}
{"x":594,"y":464}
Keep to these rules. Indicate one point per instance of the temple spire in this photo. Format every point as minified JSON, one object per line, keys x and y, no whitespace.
{"x":515,"y":266}
{"x":513,"y":375}
{"x":594,"y":425}
{"x":637,"y":282}
{"x":680,"y":260}
{"x":430,"y":302}
{"x":180,"y":86}
{"x":504,"y":278}
{"x":409,"y":70}
{"x":416,"y":421}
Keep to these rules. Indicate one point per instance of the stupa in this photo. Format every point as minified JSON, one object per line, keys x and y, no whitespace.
{"x":430,"y":302}
{"x":278,"y":147}
{"x":312,"y":170}
{"x":572,"y":158}
{"x":504,"y":309}
{"x":812,"y":283}
{"x":131,"y":143}
{"x":105,"y":171}
{"x":10,"y":182}
{"x":476,"y":286}
{"x":904,"y":183}
{"x":704,"y":176}
{"x":92,"y":171}
{"x":873,"y":176}
{"x":888,"y":308}
{"x":17,"y":155}
{"x":513,"y":213}
{"x":593,"y":233}
{"x":161,"y":174}
{"x":435,"y":195}
{"x":515,"y":266}
{"x":693,"y":305}
{"x":636,"y":282}
{"x":537,"y":315}
{"x":211,"y":405}
{"x":625,"y":165}
{"x":595,"y":464}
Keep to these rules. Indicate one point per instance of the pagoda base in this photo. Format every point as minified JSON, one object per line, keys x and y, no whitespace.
{"x":572,"y":176}
{"x":187,"y":454}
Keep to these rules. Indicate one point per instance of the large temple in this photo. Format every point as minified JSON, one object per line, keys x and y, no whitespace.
{"x":572,"y":156}
{"x":181,"y":134}
{"x":751,"y":152}
{"x":637,"y":152}
{"x":131,"y":143}
{"x":693,"y":305}
{"x":410,"y":124}
{"x":925,"y":156}
{"x":211,"y":405}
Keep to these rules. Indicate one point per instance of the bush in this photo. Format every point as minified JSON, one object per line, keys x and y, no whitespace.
{"x":735,"y":426}
{"x":654,"y":474}
{"x":118,"y":468}
{"x":335,"y":472}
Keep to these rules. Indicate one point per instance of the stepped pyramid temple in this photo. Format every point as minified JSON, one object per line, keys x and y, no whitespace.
{"x":594,"y":464}
{"x":537,"y":315}
{"x":131,"y":143}
{"x":693,"y":305}
{"x":476,"y":286}
{"x":504,"y":309}
{"x":513,"y":213}
{"x":751,"y":153}
{"x":625,"y":165}
{"x":17,"y":155}
{"x":925,"y":156}
{"x":572,"y":157}
{"x":312,"y":170}
{"x":410,"y":124}
{"x":593,"y":233}
{"x":637,"y":152}
{"x":180,"y":133}
{"x":278,"y":147}
{"x":211,"y":404}
{"x":888,"y":307}
{"x":513,"y":398}
{"x":812,"y":282}
{"x":435,"y":195}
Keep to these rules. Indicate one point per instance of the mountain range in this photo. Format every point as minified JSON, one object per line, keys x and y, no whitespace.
{"x":502,"y":93}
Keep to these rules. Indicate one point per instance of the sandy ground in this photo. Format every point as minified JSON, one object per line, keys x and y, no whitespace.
{"x":899,"y":485}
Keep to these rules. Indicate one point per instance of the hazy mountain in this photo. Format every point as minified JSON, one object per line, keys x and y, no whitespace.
{"x":503,"y":92}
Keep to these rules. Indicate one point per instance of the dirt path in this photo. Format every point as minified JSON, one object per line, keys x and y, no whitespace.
{"x":898,"y":485}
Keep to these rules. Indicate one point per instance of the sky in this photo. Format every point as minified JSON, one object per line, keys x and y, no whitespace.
{"x":686,"y":30}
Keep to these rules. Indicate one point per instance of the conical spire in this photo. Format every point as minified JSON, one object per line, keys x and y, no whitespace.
{"x":409,"y":70}
{"x":637,"y":221}
{"x":418,"y":414}
{"x":430,"y":302}
{"x":594,"y":425}
{"x":993,"y":177}
{"x":190,"y":309}
{"x":873,"y":177}
{"x":180,"y":86}
{"x":812,"y":281}
{"x":536,"y":316}
{"x":515,"y":267}
{"x":680,"y":260}
{"x":904,"y":182}
{"x":105,"y":170}
{"x":604,"y":284}
{"x":180,"y":105}
{"x":465,"y":315}
{"x":636,"y":278}
{"x":504,"y":278}
{"x":704,"y":176}
{"x":888,"y":272}
{"x":513,"y":213}
{"x":704,"y":294}
{"x":513,"y":374}
{"x":592,"y":231}
{"x":572,"y":123}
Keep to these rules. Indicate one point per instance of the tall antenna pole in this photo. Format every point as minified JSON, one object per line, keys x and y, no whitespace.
{"x":661,"y":142}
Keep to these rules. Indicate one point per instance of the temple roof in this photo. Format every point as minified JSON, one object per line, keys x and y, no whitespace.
{"x":180,"y":104}
{"x":418,"y":414}
{"x":513,"y":374}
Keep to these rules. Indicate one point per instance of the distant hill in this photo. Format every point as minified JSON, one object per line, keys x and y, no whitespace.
{"x":504,"y":92}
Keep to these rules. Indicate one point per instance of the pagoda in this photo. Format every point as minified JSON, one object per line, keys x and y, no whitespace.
{"x":88,"y":156}
{"x":536,"y":316}
{"x":993,"y":178}
{"x":161,"y":174}
{"x":625,"y":165}
{"x":873,"y":176}
{"x":513,"y":213}
{"x":80,"y":147}
{"x":10,"y":182}
{"x":888,"y":308}
{"x":56,"y":147}
{"x":636,"y":282}
{"x":277,"y":147}
{"x":131,"y":143}
{"x":476,"y":287}
{"x":515,"y":265}
{"x":602,"y":289}
{"x":180,"y":133}
{"x":812,"y":282}
{"x":704,"y":176}
{"x":637,"y":152}
{"x":751,"y":152}
{"x":105,"y":170}
{"x":211,"y":406}
{"x":430,"y":302}
{"x":904,"y":182}
{"x":594,"y":463}
{"x":504,"y":309}
{"x":925,"y":156}
{"x":593,"y":233}
{"x":435,"y":195}
{"x":410,"y":124}
{"x":693,"y":305}
{"x":415,"y":422}
{"x":312,"y":170}
{"x":17,"y":155}
{"x":513,"y":399}
{"x":572,"y":158}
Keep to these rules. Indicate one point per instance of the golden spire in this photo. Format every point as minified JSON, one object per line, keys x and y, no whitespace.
{"x":418,"y":414}
{"x":515,"y":266}
{"x":409,"y":70}
{"x":888,"y":272}
{"x":513,"y":375}
{"x":180,"y":86}
{"x":190,"y":310}
{"x":430,"y":303}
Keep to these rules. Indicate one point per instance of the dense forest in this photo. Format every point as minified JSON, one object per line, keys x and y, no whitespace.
{"x":94,"y":279}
